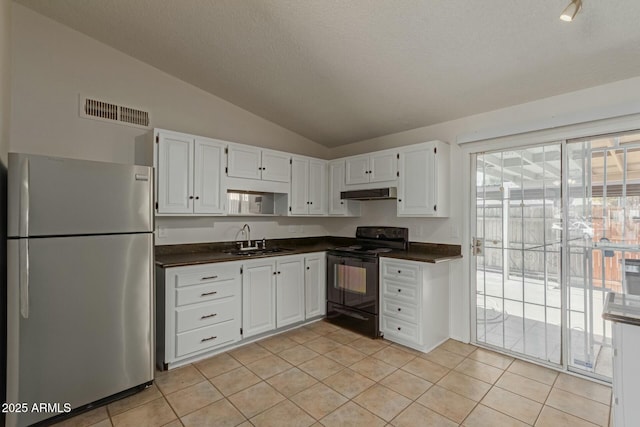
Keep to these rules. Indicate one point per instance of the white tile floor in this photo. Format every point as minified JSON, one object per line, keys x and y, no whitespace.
{"x":323,"y":375}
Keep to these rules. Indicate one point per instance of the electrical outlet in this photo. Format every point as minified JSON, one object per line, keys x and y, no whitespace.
{"x":292,"y":228}
{"x":162,"y":231}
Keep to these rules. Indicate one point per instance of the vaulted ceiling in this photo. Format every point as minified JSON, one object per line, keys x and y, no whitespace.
{"x":343,"y":71}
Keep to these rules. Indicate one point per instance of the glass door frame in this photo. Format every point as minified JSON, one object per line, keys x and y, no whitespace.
{"x":473,"y":232}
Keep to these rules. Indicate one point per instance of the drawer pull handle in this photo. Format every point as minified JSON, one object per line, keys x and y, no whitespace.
{"x":208,"y":339}
{"x":206,"y":316}
{"x":206,"y":294}
{"x":209,"y":277}
{"x":399,"y":309}
{"x":399,"y":328}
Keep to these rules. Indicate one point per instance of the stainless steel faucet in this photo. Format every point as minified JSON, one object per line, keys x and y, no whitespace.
{"x":246,"y":234}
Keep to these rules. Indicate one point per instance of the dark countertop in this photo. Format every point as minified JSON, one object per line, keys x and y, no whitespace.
{"x":205,"y":253}
{"x":622,"y":308}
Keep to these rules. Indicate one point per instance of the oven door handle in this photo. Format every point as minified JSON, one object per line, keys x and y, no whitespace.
{"x":350,"y":314}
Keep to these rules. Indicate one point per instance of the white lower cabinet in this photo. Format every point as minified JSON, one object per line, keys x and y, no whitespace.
{"x":258,"y":297}
{"x":289,"y":290}
{"x":202,"y":310}
{"x":315,"y":284}
{"x":210,"y":306}
{"x":414,"y":303}
{"x":272,"y":293}
{"x":626,"y":374}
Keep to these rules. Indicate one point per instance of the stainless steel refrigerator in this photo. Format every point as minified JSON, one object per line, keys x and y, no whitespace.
{"x":79,"y":286}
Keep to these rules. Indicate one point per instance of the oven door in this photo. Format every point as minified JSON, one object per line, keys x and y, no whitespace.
{"x":352,"y":281}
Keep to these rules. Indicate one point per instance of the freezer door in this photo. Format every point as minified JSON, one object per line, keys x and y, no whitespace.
{"x":87,"y":332}
{"x":51,"y":196}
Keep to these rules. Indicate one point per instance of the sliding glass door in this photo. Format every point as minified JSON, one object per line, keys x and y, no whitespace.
{"x":517,"y":265}
{"x":555,"y":228}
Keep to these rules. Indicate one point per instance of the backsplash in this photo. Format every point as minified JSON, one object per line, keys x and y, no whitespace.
{"x":177,"y":230}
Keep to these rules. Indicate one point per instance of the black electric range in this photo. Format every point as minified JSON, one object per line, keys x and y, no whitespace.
{"x":352,"y":278}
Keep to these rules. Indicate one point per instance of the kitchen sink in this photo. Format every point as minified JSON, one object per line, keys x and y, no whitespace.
{"x":257,"y":252}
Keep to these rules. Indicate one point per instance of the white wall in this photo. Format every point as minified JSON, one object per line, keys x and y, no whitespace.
{"x":53,"y":64}
{"x":5,"y":77}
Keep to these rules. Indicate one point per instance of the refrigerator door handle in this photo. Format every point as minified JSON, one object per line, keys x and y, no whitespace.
{"x":24,"y":278}
{"x":24,"y":199}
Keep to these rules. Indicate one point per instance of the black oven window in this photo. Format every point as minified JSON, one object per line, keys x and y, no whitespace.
{"x":351,"y":278}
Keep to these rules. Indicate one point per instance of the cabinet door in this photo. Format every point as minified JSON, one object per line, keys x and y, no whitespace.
{"x":244,"y":162}
{"x":357,"y":170}
{"x":416,"y":185}
{"x":299,"y":202}
{"x":337,"y":206}
{"x":209,"y":156}
{"x":289,"y":291}
{"x":317,"y":187}
{"x":383,"y":167}
{"x":315,"y":285}
{"x":275,"y":166}
{"x":175,"y":173}
{"x":258,"y":298}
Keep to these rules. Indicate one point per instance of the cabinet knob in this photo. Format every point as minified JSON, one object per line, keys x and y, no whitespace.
{"x":399,"y":200}
{"x":278,"y":272}
{"x":275,"y":272}
{"x":197,"y":197}
{"x":399,"y":309}
{"x":399,"y":271}
{"x":399,"y":328}
{"x":342,"y":203}
{"x":370,"y":171}
{"x":399,"y":290}
{"x":308,"y":268}
{"x":190,"y":197}
{"x":310,"y":203}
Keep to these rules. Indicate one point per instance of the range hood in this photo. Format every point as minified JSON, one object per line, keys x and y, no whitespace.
{"x":371,"y":194}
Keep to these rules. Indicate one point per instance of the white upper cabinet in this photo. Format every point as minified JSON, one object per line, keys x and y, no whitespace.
{"x":245,"y":161}
{"x":299,"y":194}
{"x":317,"y":187}
{"x":337,"y":206}
{"x":423,"y":183}
{"x":275,"y":166}
{"x":174,"y":166}
{"x":209,"y":163}
{"x":357,"y":170}
{"x":188,"y":174}
{"x":380,"y":166}
{"x":308,"y":194}
{"x":383,"y":166}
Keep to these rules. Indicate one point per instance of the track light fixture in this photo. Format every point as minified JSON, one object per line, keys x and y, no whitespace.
{"x":571,"y":11}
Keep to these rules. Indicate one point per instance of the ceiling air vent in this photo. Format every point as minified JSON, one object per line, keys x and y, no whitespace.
{"x":105,"y":111}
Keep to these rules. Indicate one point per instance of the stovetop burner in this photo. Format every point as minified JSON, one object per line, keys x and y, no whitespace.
{"x":363,"y":249}
{"x":375,"y":240}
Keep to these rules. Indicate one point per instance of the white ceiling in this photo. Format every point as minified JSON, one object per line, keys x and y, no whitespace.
{"x":343,"y":71}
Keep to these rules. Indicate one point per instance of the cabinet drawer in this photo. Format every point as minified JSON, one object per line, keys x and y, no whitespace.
{"x":200,"y":315}
{"x":400,"y":329}
{"x":209,"y":337}
{"x":400,"y":291}
{"x":399,"y":270}
{"x":207,"y":292}
{"x":400,"y":310}
{"x":209,"y":274}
